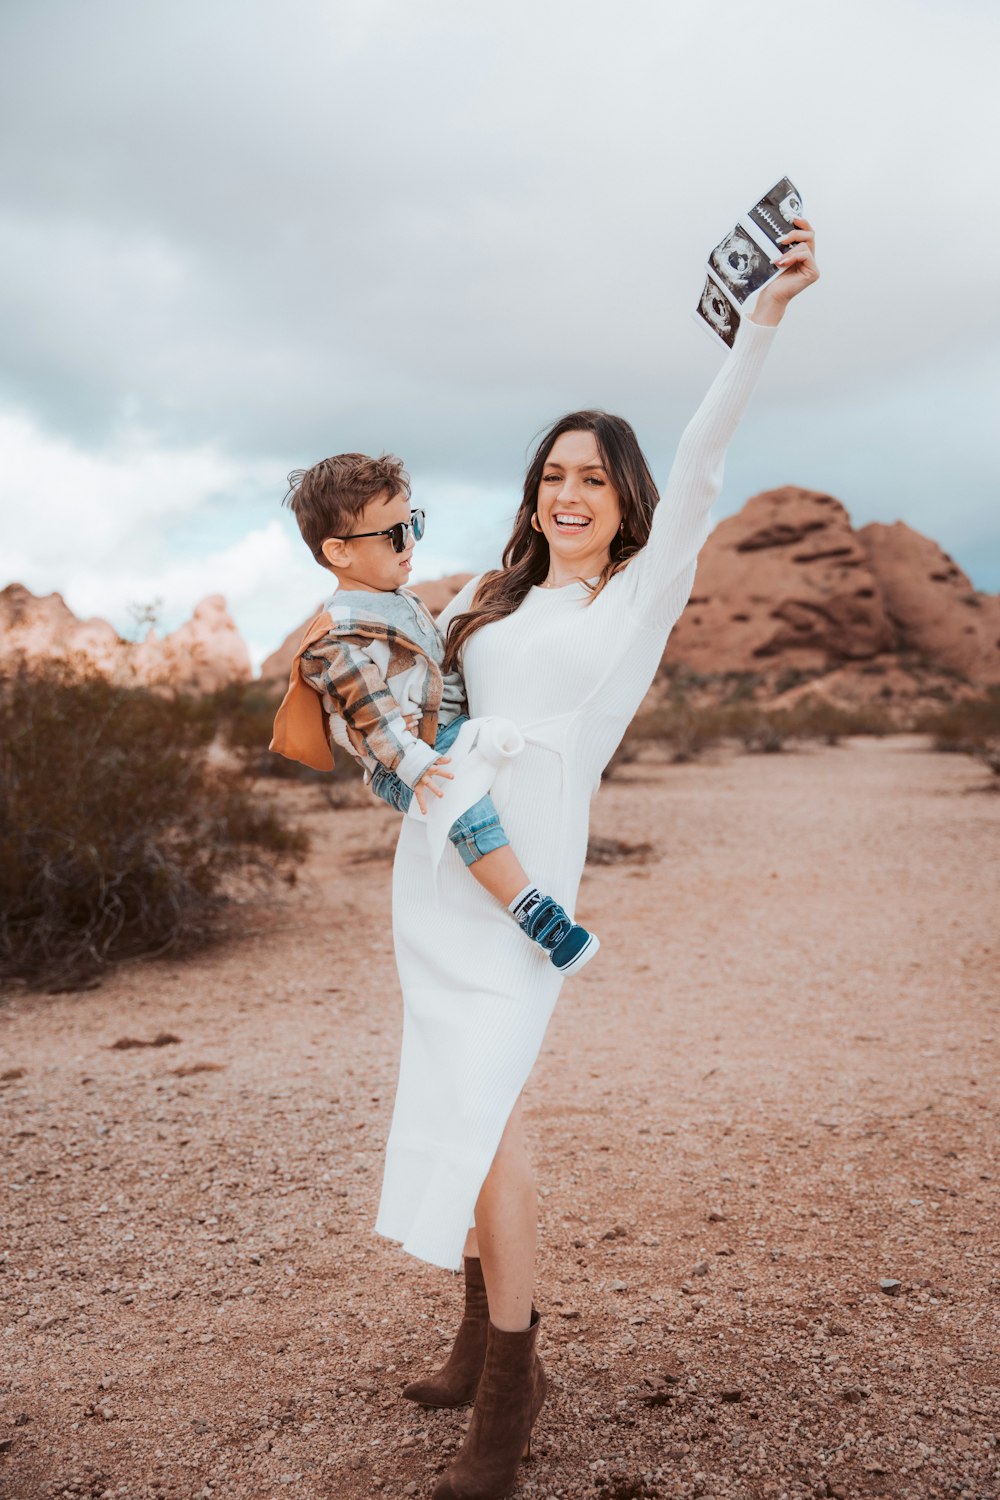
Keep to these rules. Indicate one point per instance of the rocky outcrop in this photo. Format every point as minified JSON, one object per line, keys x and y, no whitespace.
{"x":784,"y":582}
{"x":40,"y":627}
{"x":785,"y":590}
{"x":203,"y":655}
{"x":933,"y":608}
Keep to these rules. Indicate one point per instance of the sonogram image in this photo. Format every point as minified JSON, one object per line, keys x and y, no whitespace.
{"x":718,"y":312}
{"x":773,"y":214}
{"x":740,"y":264}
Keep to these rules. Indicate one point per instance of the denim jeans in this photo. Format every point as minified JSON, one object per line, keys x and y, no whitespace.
{"x":475,"y":832}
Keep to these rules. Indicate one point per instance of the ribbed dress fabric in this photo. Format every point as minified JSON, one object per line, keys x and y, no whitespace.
{"x":477,"y":994}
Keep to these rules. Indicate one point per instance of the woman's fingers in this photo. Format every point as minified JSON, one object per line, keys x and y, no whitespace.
{"x":805,"y":253}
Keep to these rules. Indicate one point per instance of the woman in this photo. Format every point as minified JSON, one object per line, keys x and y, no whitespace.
{"x":564,"y":640}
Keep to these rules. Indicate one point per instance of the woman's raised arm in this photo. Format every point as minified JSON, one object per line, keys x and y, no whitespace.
{"x":663,"y":572}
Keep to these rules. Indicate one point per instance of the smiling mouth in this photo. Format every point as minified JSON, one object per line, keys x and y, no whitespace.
{"x":567,"y":522}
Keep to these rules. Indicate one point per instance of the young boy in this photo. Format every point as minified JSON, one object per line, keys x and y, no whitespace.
{"x":369,"y":667}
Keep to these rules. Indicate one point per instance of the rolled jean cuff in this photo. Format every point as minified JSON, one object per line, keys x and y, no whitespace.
{"x":473,"y":842}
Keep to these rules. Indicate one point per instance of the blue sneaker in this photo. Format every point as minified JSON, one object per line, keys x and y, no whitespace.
{"x":568,"y":945}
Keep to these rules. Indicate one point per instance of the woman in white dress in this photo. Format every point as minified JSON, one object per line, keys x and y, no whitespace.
{"x":563,"y":640}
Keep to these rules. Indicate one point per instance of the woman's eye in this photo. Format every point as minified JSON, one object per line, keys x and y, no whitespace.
{"x":593,"y":479}
{"x":547,"y":478}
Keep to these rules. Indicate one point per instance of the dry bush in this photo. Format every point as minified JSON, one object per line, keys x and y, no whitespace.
{"x":116,"y":837}
{"x":970,"y":727}
{"x":815,"y":718}
{"x":685,"y":731}
{"x":241,"y":716}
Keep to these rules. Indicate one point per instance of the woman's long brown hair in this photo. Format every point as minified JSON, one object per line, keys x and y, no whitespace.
{"x":526,"y":555}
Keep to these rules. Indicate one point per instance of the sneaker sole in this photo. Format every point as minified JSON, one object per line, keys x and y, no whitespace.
{"x":584,"y":956}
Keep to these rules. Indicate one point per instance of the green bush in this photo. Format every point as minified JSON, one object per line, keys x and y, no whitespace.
{"x":117,"y":837}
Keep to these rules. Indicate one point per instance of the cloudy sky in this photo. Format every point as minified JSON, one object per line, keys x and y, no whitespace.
{"x":236,"y":237}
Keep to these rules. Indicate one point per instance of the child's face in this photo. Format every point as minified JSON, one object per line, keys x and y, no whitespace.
{"x":368,"y":562}
{"x":578,"y":506}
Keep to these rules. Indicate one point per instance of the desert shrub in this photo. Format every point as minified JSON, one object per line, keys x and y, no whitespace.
{"x":970,"y":727}
{"x":117,"y":837}
{"x":756,"y":729}
{"x":685,"y":731}
{"x":741,"y":687}
{"x":242,"y":717}
{"x":815,"y":718}
{"x":791,"y":677}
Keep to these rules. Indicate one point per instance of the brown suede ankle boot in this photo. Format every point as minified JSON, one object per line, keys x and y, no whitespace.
{"x":511,"y":1391}
{"x":454,"y":1384}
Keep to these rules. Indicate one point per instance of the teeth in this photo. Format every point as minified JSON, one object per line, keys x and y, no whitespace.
{"x":572,"y":520}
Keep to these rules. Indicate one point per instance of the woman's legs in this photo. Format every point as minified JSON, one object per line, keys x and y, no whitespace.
{"x":507,"y":1228}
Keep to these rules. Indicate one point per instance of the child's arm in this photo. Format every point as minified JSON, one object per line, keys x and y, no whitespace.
{"x":358,"y":689}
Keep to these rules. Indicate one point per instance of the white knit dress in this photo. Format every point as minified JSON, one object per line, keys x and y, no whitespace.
{"x":478,"y":994}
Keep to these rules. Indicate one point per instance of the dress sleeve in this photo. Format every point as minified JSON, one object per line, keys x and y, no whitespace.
{"x":661,"y":576}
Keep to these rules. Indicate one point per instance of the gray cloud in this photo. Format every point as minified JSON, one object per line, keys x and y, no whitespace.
{"x":434,"y":227}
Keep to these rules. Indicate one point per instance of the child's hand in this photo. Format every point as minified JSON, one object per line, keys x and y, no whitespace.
{"x":425,"y":784}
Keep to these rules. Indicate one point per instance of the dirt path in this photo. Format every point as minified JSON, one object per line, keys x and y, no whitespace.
{"x":776,"y":1085}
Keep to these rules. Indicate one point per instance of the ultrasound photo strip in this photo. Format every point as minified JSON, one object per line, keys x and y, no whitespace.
{"x":773,"y":215}
{"x":743,"y":261}
{"x":740,"y":264}
{"x":716,"y":314}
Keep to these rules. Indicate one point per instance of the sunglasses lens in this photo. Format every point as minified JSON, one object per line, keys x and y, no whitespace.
{"x":397,"y":536}
{"x":417,"y":521}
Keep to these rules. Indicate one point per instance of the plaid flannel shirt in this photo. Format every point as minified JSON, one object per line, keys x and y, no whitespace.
{"x":364,"y":675}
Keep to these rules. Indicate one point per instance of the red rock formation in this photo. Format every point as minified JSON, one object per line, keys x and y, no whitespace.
{"x":204,"y":654}
{"x":783,"y":582}
{"x":931,"y":604}
{"x":35,"y":627}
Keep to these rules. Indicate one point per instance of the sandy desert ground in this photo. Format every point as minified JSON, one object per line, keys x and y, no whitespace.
{"x":775,"y":1089}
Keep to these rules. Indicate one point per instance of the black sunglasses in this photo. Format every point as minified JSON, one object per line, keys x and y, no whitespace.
{"x":398,"y":534}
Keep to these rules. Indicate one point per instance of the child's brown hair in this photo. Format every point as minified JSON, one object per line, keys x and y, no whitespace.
{"x":327,"y":499}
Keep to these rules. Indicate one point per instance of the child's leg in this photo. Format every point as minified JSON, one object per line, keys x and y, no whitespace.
{"x":500,"y":872}
{"x":485,"y":849}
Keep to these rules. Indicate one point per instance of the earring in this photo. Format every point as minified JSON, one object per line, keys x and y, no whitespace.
{"x":534,"y":521}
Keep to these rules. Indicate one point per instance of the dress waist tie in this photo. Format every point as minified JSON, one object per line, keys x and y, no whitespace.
{"x":481,"y":760}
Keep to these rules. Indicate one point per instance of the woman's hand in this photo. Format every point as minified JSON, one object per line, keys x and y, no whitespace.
{"x":802,"y":271}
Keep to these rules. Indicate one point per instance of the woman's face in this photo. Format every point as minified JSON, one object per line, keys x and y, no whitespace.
{"x":579,"y":511}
